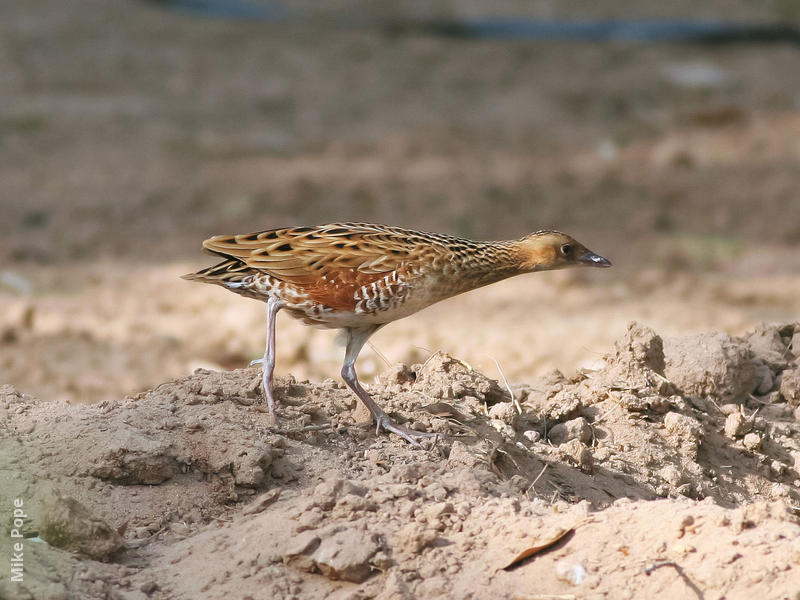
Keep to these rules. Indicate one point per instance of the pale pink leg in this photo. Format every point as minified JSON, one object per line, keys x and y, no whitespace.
{"x":268,"y":362}
{"x":356,"y":338}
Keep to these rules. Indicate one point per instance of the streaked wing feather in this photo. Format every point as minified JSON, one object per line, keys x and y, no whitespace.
{"x":330,"y":262}
{"x":306,"y":253}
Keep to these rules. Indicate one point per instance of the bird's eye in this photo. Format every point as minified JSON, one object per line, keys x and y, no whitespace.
{"x":566,"y":249}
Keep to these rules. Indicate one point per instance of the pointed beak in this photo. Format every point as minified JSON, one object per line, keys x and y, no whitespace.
{"x":590,"y":259}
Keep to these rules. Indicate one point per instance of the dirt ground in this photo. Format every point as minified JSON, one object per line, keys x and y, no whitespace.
{"x":670,"y":471}
{"x":636,"y":429}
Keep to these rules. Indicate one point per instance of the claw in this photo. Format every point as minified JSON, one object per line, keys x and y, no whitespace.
{"x":404,"y":432}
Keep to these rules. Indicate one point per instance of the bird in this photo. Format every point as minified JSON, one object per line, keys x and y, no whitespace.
{"x":358,"y":277}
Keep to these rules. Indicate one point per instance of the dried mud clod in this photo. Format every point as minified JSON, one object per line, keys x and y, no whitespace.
{"x":192,"y":465}
{"x":68,"y":524}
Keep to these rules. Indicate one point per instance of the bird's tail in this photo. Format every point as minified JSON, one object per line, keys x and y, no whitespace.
{"x":229,"y":273}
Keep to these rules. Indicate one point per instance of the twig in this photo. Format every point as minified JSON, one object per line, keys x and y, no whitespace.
{"x":717,"y":406}
{"x":430,"y":357}
{"x":662,"y":378}
{"x":533,"y":483}
{"x":322,"y":427}
{"x":378,"y":352}
{"x":514,"y":401}
{"x":608,"y":413}
{"x":757,"y":400}
{"x":462,"y":426}
{"x":602,"y":417}
{"x":648,"y":569}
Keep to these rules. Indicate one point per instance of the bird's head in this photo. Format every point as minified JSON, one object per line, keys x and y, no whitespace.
{"x":550,"y":250}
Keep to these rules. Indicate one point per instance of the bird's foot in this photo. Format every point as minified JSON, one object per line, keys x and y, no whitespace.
{"x":257,"y":361}
{"x":267,"y":401}
{"x":266,"y":405}
{"x":262,"y":407}
{"x":383,"y":421}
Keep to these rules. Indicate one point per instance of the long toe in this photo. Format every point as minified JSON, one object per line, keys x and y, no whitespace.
{"x":410,"y":435}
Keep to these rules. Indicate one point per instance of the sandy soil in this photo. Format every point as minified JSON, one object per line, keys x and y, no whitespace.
{"x":672,"y":470}
{"x":651,"y":442}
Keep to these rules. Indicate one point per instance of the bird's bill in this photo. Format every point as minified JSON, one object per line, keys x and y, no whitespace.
{"x":590,"y":259}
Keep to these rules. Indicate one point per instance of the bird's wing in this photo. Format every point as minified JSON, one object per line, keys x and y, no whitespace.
{"x":330,"y":262}
{"x":301,"y":255}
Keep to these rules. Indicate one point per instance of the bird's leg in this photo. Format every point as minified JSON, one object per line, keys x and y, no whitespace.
{"x":355,"y":341}
{"x":268,"y":362}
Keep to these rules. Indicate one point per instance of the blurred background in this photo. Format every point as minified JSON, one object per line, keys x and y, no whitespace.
{"x":665,"y":136}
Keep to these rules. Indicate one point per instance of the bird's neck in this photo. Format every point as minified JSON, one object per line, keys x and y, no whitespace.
{"x":487,"y":263}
